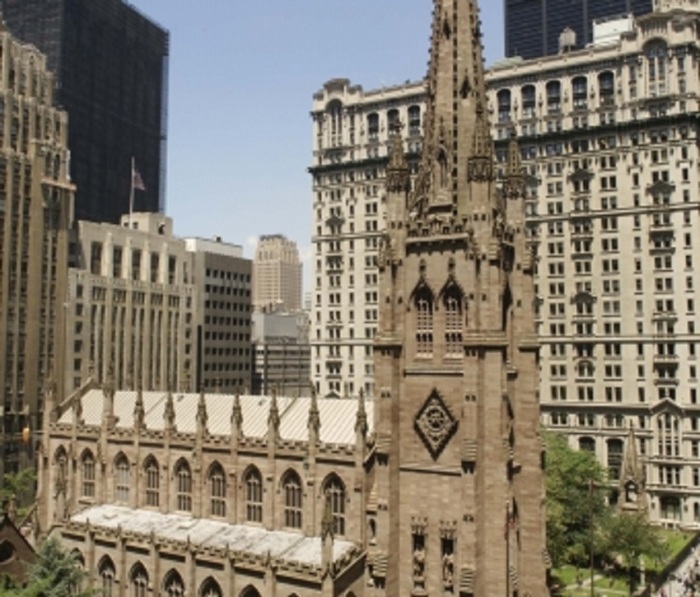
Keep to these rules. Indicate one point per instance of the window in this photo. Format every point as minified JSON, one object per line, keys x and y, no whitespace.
{"x":292,"y":500}
{"x":614,"y":458}
{"x":373,"y":126}
{"x":88,"y":474}
{"x":424,"y":320}
{"x":210,"y":588}
{"x":122,"y":479}
{"x":107,"y":573}
{"x":173,"y":585}
{"x":138,"y":579}
{"x":656,"y":54}
{"x":553,"y":97}
{"x":335,"y":502}
{"x":217,"y":485}
{"x":414,"y":120}
{"x":183,"y":488}
{"x":453,"y":322}
{"x":580,"y":92}
{"x":503,"y":99}
{"x":254,"y":495}
{"x":152,"y":482}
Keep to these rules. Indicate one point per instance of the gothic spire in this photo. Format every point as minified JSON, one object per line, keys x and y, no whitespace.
{"x":397,"y":174}
{"x":202,"y":416}
{"x":139,"y":409}
{"x":457,"y":149}
{"x":273,"y":419}
{"x":361,"y":426}
{"x":514,"y":182}
{"x":169,"y":412}
{"x":314,"y":423}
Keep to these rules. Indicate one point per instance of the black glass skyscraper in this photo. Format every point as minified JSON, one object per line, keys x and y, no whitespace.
{"x":533,"y":26}
{"x":111,"y":64}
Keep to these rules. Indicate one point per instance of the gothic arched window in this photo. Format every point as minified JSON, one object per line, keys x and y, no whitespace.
{"x":87,"y":472}
{"x":122,"y":479}
{"x":152,"y":482}
{"x":217,"y":490}
{"x":173,"y":585}
{"x":138,"y":581}
{"x":253,"y":495}
{"x":291,"y":484}
{"x":423,"y":301}
{"x":452,"y":299}
{"x":210,"y":588}
{"x":183,"y":487}
{"x":107,"y":573}
{"x":334,"y":490}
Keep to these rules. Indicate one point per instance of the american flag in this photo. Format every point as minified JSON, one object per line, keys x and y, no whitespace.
{"x":137,"y":181}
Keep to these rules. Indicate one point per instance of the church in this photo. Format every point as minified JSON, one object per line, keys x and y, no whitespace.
{"x":433,"y":486}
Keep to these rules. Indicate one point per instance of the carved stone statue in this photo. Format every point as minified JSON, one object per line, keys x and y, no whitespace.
{"x":419,"y":565}
{"x":448,"y":566}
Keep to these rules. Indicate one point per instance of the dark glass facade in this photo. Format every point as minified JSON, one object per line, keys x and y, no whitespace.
{"x":533,"y":26}
{"x":111,"y":64}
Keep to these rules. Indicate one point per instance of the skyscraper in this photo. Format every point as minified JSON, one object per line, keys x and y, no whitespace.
{"x":533,"y":27}
{"x":110,"y":64}
{"x":276,"y":275}
{"x":35,"y":215}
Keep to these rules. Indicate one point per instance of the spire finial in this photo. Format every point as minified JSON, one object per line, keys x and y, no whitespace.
{"x":169,"y":412}
{"x":314,"y":422}
{"x":202,"y":416}
{"x":361,"y":426}
{"x":139,"y":409}
{"x":273,"y":419}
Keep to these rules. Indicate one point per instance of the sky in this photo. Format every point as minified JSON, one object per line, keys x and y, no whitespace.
{"x":241,"y":79}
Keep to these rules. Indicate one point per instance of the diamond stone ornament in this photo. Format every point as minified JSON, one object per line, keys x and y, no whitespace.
{"x":435,"y":424}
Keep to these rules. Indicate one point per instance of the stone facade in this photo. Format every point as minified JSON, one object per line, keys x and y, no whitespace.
{"x":36,"y":212}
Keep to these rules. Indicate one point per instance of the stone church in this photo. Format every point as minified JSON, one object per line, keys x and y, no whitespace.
{"x":434,"y":486}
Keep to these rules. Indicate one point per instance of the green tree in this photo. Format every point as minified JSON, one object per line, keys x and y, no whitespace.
{"x":55,"y":573}
{"x":630,"y":535}
{"x":20,"y":487}
{"x":575,"y":504}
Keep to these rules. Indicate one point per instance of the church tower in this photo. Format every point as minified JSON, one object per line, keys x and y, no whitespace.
{"x":457,"y":470}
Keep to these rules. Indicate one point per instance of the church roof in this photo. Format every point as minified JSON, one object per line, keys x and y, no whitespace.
{"x":284,"y":546}
{"x":338,"y":416}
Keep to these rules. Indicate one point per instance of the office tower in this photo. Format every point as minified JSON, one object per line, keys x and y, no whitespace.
{"x":281,"y":353}
{"x":130,"y":307}
{"x":609,"y":139}
{"x":36,"y":207}
{"x":277,"y":275}
{"x":533,"y":27}
{"x":111,"y":69}
{"x":351,"y":131}
{"x":223,"y":306}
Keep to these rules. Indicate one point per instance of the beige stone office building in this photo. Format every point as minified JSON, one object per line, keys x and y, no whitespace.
{"x":277,"y":275}
{"x":433,"y":487}
{"x":608,"y":137}
{"x":131,"y":306}
{"x":223,"y":307}
{"x":36,"y":203}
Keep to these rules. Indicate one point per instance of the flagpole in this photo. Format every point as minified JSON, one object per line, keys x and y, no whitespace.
{"x":131,"y":191}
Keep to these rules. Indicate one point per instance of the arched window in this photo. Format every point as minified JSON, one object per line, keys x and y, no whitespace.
{"x":373,"y":126}
{"x":452,"y":300}
{"x":335,"y":114}
{"x":606,"y":88}
{"x":529,"y":101}
{"x":250,"y":591}
{"x":253,"y":495}
{"x":504,"y":105}
{"x":586,"y":444}
{"x":553,"y":97}
{"x":585,"y":369}
{"x":183,"y":486}
{"x":393,"y":120}
{"x":579,"y":86}
{"x":107,"y":573}
{"x":210,"y":588}
{"x":657,"y":67}
{"x":152,"y":482}
{"x":334,"y":490}
{"x":173,"y":585}
{"x":414,"y":120}
{"x":138,"y":580}
{"x":122,"y":479}
{"x":615,"y":447}
{"x":291,"y":484}
{"x":671,"y":508}
{"x":87,"y":472}
{"x":423,"y":301}
{"x":217,"y":488}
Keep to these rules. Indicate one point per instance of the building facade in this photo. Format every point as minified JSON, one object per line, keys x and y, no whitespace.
{"x":131,"y":306}
{"x":223,"y":307}
{"x":36,"y":210}
{"x":281,"y":353}
{"x":277,"y":275}
{"x":608,"y":139}
{"x":111,"y":69}
{"x":533,"y":27}
{"x":351,"y":132}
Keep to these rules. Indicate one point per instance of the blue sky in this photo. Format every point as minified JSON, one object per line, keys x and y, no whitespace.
{"x":241,"y":79}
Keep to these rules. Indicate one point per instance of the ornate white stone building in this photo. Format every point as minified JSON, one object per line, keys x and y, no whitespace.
{"x":608,"y":136}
